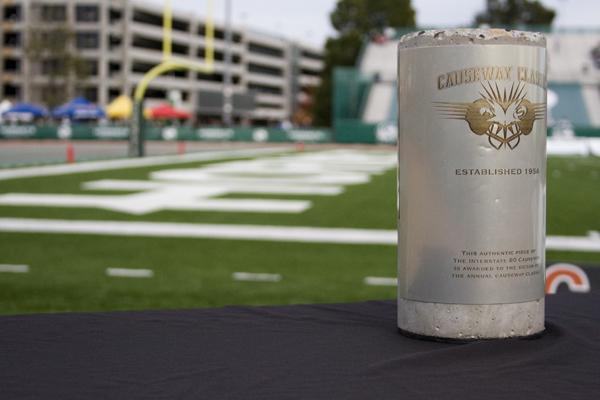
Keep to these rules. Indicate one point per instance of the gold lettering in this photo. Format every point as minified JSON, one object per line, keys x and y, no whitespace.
{"x":452,"y":79}
{"x":488,"y":73}
{"x":441,"y":82}
{"x":469,"y":75}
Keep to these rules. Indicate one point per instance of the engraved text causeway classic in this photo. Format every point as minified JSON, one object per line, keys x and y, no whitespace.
{"x":502,"y":111}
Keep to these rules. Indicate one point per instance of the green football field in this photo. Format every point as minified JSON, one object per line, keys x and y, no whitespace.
{"x":68,"y":271}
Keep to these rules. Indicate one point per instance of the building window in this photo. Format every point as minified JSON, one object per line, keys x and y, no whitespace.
{"x":90,"y":67}
{"x":114,"y":68}
{"x":12,"y":13}
{"x":12,"y":39}
{"x":269,"y":106}
{"x":87,"y":13}
{"x":214,"y":77}
{"x":180,"y":49}
{"x":87,"y":40}
{"x":113,"y":93}
{"x":152,"y":93}
{"x":154,"y":44}
{"x":220,"y":34}
{"x":90,"y":93}
{"x":51,"y":94}
{"x":265,"y":89}
{"x":180,"y":73}
{"x":312,"y":55}
{"x":180,"y":25}
{"x":54,"y":13}
{"x":264,"y":70}
{"x":147,"y":18}
{"x":265,"y":50}
{"x":114,"y":15}
{"x":114,"y":41}
{"x":11,"y":90}
{"x":52,"y":66}
{"x":310,"y":72}
{"x":145,"y":43}
{"x":139,"y":67}
{"x":219,"y":55}
{"x":12,"y":65}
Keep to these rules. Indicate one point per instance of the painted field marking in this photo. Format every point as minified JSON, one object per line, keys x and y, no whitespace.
{"x":143,"y":203}
{"x":253,"y":277}
{"x":129,"y":273}
{"x":208,"y":231}
{"x":14,"y":268}
{"x":380,"y":281}
{"x":93,"y":166}
{"x":205,"y":188}
{"x":222,"y":185}
{"x":589,"y":243}
{"x":300,"y":234}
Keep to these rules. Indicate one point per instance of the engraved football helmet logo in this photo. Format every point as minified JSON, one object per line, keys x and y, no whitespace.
{"x":504,"y":116}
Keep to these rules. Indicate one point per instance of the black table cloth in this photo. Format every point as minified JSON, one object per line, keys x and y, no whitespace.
{"x":346,"y":351}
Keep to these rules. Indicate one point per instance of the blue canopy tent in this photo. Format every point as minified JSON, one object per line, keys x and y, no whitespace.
{"x":24,"y":112}
{"x":79,"y":109}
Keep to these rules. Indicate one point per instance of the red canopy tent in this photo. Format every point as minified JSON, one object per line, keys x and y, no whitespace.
{"x":167,"y":111}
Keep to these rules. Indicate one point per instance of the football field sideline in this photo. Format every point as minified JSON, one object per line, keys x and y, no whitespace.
{"x":106,"y":165}
{"x":208,"y":229}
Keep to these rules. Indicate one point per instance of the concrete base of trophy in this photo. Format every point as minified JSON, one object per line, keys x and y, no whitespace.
{"x":470,"y":322}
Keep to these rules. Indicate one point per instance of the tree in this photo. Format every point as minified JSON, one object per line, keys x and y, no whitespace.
{"x":51,"y":52}
{"x":353,"y":21}
{"x":515,"y":12}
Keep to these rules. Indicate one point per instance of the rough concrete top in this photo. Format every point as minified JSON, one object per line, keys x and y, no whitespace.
{"x":446,"y":37}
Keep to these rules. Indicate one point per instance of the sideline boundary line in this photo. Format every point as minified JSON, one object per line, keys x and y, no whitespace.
{"x":93,"y":166}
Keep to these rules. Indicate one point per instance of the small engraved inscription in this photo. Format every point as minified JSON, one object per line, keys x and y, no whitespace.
{"x":496,"y":264}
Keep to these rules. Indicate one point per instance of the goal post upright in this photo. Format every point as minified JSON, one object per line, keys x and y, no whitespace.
{"x":168,"y":63}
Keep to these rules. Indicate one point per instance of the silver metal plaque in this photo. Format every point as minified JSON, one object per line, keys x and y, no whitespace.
{"x":472,"y":173}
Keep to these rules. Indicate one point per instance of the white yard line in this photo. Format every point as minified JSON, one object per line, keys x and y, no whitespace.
{"x":589,"y":243}
{"x":92,"y":166}
{"x":208,"y":231}
{"x":253,"y":277}
{"x":14,"y":268}
{"x":129,"y":273}
{"x":380,"y":281}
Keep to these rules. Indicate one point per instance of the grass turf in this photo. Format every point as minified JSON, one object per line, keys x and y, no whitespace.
{"x":67,"y":271}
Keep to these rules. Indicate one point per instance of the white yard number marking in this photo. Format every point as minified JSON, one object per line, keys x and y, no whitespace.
{"x":14,"y":268}
{"x":129,"y":273}
{"x":313,"y":174}
{"x":253,"y":277}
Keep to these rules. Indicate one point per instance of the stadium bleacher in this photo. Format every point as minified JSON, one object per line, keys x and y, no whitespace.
{"x":573,"y":74}
{"x":379,"y":102}
{"x":571,"y":104}
{"x":574,"y":77}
